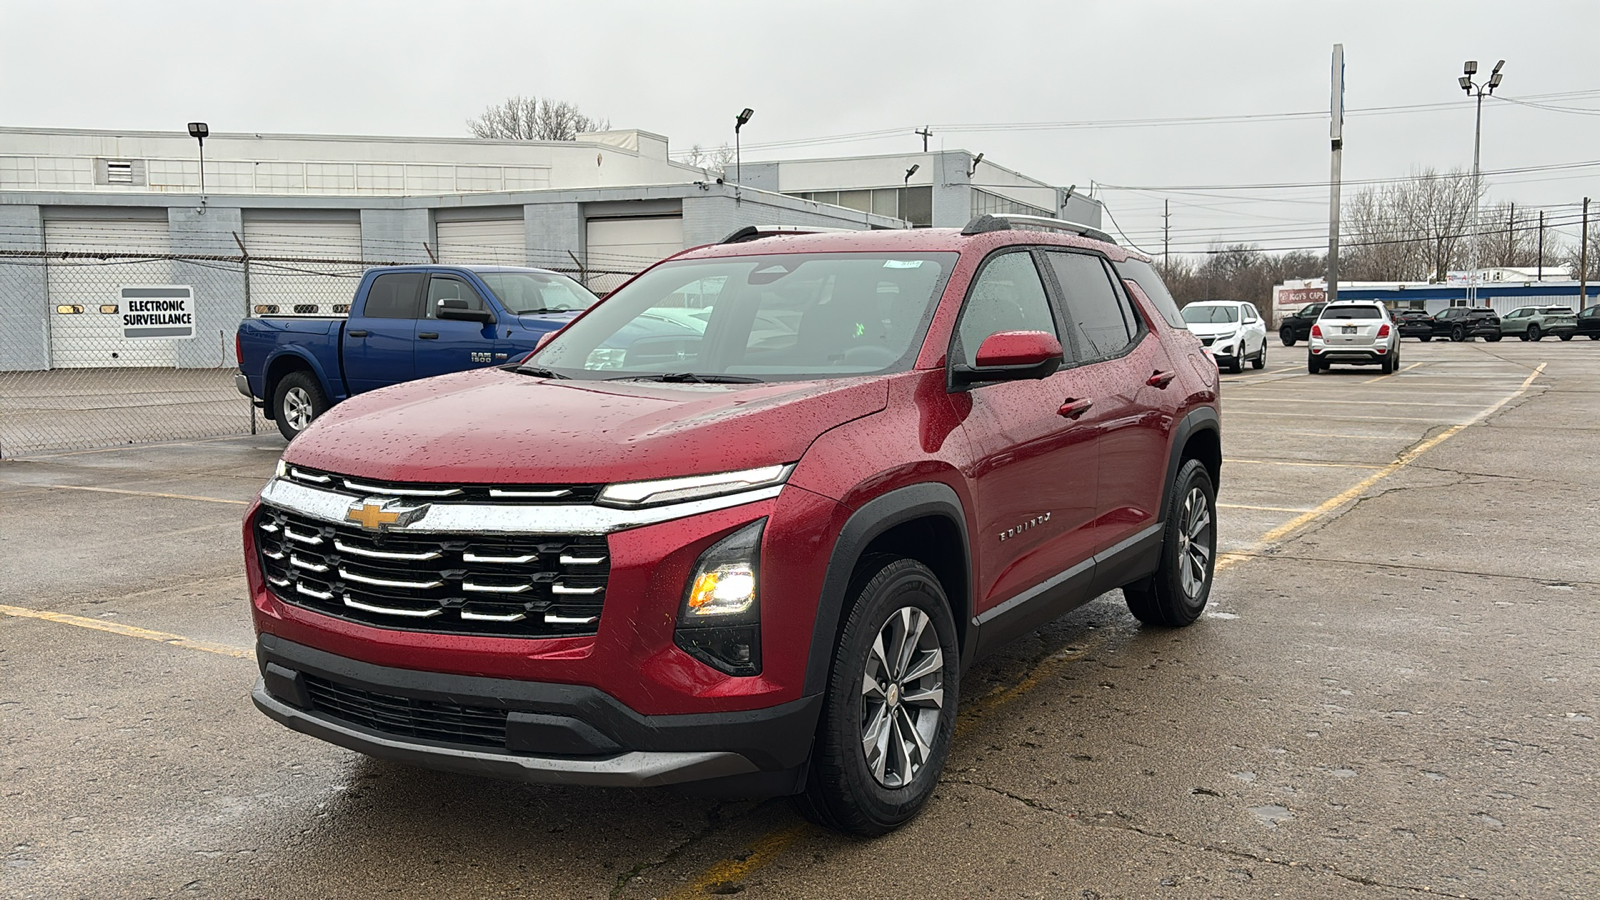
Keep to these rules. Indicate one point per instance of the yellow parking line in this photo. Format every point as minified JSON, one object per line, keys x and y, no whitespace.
{"x":725,"y":874}
{"x":1391,"y":374}
{"x":105,"y":490}
{"x":1292,"y":509}
{"x":1312,"y":465}
{"x":160,"y":637}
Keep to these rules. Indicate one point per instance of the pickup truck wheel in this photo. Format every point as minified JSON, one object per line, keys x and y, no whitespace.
{"x":297,"y":401}
{"x":890,"y":711}
{"x":1177,"y":593}
{"x":1286,"y":334}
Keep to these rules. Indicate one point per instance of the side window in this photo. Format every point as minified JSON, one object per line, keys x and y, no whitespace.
{"x":1094,"y":310}
{"x":394,"y":296}
{"x":1144,"y":275}
{"x":1250,"y":314}
{"x":1007,"y":295}
{"x":445,"y":287}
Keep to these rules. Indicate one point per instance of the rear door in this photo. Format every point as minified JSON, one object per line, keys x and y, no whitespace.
{"x":452,"y":345}
{"x":1034,"y":465}
{"x":377,"y":343}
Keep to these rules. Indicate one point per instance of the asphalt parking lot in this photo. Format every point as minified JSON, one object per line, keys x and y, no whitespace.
{"x":1393,"y":693}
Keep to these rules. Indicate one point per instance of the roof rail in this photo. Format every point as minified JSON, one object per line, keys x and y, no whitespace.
{"x":1010,"y":221}
{"x":756,"y":232}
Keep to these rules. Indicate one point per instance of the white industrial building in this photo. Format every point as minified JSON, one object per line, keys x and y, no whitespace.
{"x":286,"y":222}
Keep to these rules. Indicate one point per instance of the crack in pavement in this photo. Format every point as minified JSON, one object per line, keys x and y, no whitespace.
{"x":1126,"y":824}
{"x":1548,"y":582}
{"x":713,"y":822}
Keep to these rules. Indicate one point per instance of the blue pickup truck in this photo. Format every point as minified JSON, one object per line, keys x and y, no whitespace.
{"x":405,"y":322}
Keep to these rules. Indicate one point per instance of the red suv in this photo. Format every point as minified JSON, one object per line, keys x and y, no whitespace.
{"x":748,"y":520}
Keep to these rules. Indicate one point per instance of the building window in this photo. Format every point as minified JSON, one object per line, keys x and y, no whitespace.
{"x":985,"y":203}
{"x":913,"y":204}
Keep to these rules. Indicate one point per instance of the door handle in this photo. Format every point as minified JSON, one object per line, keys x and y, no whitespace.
{"x":1160,"y":379}
{"x":428,"y":335}
{"x":1072,"y":409}
{"x":356,"y":333}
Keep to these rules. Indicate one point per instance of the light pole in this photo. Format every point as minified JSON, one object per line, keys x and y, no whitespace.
{"x":738,"y":123}
{"x":200,"y":131}
{"x":1476,"y":89}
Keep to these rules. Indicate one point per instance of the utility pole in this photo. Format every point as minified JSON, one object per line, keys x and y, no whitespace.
{"x":927,"y":132}
{"x":1541,"y":245}
{"x":1336,"y":133}
{"x":1511,"y":235}
{"x":1166,"y":235}
{"x":1583,"y":259}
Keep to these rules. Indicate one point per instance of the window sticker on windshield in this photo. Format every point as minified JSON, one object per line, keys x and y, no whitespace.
{"x":901,"y":263}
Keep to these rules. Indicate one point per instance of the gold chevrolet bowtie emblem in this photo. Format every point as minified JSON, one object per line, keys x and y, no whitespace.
{"x":379,"y":514}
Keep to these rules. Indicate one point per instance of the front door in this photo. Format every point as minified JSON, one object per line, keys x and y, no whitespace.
{"x":1035,"y":456}
{"x":451,"y":345}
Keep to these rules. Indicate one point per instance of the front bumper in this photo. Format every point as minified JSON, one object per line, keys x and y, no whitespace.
{"x":552,"y":733}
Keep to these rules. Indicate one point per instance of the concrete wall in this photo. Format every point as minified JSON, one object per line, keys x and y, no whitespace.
{"x":396,"y":234}
{"x":24,"y":304}
{"x":218,"y":287}
{"x":554,"y":230}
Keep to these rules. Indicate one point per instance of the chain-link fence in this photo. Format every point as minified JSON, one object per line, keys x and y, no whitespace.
{"x":100,"y":350}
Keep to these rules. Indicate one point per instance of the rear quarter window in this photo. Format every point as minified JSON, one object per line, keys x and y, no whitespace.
{"x":1144,"y":275}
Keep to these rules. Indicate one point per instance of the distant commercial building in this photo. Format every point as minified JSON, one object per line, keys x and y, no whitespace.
{"x":1502,"y":293}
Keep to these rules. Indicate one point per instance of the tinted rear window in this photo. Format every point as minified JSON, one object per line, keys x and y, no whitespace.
{"x":394,"y":296}
{"x":1144,"y":275}
{"x":1351,"y":312}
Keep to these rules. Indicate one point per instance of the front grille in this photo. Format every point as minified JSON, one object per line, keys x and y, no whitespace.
{"x":1207,"y":341}
{"x":527,"y":586}
{"x":519,"y":494}
{"x":431,"y":720}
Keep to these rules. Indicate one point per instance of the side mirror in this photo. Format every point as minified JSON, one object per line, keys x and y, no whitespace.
{"x":1011,"y":356}
{"x":460,"y":310}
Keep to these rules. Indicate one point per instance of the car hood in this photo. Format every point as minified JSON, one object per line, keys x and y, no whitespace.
{"x":1208,"y":329}
{"x":492,"y":426}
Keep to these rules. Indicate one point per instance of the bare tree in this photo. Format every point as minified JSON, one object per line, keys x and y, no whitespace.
{"x":715,"y":161}
{"x":1410,"y":230}
{"x":534,"y":118}
{"x":1238,"y":272}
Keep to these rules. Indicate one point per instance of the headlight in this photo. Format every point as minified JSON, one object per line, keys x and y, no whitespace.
{"x":635,"y":494}
{"x":719,"y":621}
{"x":282,"y":470}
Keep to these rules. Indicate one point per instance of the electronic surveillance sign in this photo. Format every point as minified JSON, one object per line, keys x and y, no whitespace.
{"x":158,"y":311}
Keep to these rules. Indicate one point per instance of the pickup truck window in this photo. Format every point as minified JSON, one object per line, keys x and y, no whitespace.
{"x":537,"y":292}
{"x":771,"y":317}
{"x":394,"y":296}
{"x":446,"y":287}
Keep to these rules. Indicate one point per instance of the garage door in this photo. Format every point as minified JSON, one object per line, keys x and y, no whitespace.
{"x":288,"y":275}
{"x":617,"y":248}
{"x":502,"y":242}
{"x":84,"y":294}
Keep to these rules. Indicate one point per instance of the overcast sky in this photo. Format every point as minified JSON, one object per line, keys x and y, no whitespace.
{"x":818,"y":69}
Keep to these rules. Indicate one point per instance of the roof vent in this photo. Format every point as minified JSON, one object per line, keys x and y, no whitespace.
{"x":119,"y":171}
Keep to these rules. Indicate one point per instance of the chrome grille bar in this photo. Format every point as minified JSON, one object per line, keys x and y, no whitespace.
{"x":391,"y":611}
{"x":382,"y":491}
{"x":469,"y":556}
{"x":385,"y":554}
{"x":529,"y":495}
{"x":389,"y":582}
{"x":471,"y":616}
{"x":559,"y":588}
{"x":496,"y":588}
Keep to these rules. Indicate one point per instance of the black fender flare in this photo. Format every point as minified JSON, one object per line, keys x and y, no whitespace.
{"x":872,"y":519}
{"x":1202,"y":418}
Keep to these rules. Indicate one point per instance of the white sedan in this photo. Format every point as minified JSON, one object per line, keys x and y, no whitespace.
{"x":1231,"y":329}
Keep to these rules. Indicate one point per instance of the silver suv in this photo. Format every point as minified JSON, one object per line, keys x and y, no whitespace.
{"x":1360,"y":334}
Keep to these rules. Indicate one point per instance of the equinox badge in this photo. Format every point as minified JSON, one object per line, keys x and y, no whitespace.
{"x":379,"y":514}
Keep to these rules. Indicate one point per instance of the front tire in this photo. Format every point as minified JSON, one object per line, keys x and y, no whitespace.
{"x":1426,"y":338}
{"x":1533,"y":332}
{"x":1177,"y":593}
{"x":890,"y":711}
{"x":1286,"y":334}
{"x":297,"y":402}
{"x":1567,"y":336}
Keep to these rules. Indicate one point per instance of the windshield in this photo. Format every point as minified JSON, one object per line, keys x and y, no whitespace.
{"x":1352,"y":312}
{"x":1195,"y":314}
{"x":531,"y":292}
{"x":759,"y":318}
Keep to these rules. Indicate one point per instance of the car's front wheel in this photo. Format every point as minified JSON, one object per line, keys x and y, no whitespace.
{"x":1286,"y":334}
{"x":890,"y":710}
{"x":1567,"y":336}
{"x":1426,"y":338}
{"x":1177,"y":593}
{"x":1534,"y":333}
{"x":297,"y":401}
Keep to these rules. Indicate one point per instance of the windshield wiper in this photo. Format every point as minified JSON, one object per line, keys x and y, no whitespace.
{"x":695,"y":377}
{"x":546,"y":309}
{"x":539,"y":372}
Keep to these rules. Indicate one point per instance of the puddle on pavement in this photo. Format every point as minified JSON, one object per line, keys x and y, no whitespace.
{"x":1270,"y":815}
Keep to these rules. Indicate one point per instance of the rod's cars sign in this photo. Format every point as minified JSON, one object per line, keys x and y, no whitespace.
{"x":158,"y":311}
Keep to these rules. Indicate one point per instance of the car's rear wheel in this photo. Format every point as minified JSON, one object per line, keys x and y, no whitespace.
{"x":1260,"y":362}
{"x":296,"y":402}
{"x":1426,"y":338}
{"x":1458,"y":334}
{"x":1388,"y":364}
{"x":1495,"y":338}
{"x":1567,"y":336}
{"x":1533,"y":332}
{"x":1286,"y":334}
{"x":1595,"y":336}
{"x":1177,"y":592}
{"x":1314,"y":365}
{"x":889,"y":714}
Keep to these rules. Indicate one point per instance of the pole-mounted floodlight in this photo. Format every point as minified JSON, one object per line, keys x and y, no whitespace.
{"x":200,"y":131}
{"x":738,"y":123}
{"x":1470,"y":68}
{"x":974,"y":170}
{"x":1477,"y":90}
{"x":912,"y":171}
{"x":1466,"y":83}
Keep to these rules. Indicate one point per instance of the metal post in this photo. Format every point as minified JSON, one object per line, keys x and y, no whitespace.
{"x":1477,"y":191}
{"x":738,"y":160}
{"x":1166,"y":235}
{"x":1583,"y":259}
{"x":202,"y":169}
{"x":1540,"y":276}
{"x":1336,"y":134}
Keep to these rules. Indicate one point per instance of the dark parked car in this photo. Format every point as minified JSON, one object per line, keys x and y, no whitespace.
{"x":1297,"y":326}
{"x":1589,"y":323}
{"x":1414,"y":323}
{"x":1460,"y":323}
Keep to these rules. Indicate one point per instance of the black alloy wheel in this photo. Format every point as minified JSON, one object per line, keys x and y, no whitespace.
{"x":1286,"y":334}
{"x":1534,"y":333}
{"x":889,"y":715}
{"x":1458,"y":334}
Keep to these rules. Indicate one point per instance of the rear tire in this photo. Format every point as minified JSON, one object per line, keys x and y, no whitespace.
{"x":1260,"y":362}
{"x":1495,"y":338}
{"x":1566,"y":337}
{"x":1533,"y":332}
{"x":1458,"y":334}
{"x":1426,"y":338}
{"x":1177,"y":592}
{"x":874,"y":791}
{"x":1313,"y":365}
{"x":297,"y":402}
{"x":1286,"y":334}
{"x":1388,"y":364}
